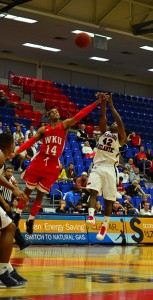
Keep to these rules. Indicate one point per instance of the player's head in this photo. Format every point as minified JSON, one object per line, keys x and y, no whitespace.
{"x":114,"y":127}
{"x":54,"y":114}
{"x":6,"y":144}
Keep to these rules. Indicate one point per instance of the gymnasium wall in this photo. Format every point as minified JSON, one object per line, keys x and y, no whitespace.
{"x":73,"y":229}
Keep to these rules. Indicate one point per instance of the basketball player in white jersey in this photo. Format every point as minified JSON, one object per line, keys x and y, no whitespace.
{"x":8,"y":275}
{"x":102,"y":179}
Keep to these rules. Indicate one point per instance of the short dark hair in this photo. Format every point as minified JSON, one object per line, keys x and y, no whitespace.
{"x":6,"y":140}
{"x":7,"y":168}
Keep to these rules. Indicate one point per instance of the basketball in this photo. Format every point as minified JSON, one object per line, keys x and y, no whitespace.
{"x":82,"y":40}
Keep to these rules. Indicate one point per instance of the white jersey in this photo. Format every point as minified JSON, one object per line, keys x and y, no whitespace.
{"x":107,"y":150}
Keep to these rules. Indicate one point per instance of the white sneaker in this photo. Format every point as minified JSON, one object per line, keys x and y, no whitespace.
{"x":91,"y":220}
{"x":20,"y":169}
{"x":101,"y":234}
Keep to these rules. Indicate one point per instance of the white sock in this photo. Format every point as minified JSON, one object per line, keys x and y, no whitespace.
{"x":31,"y":217}
{"x":106,"y":221}
{"x":91,"y":211}
{"x":9,"y":267}
{"x":19,"y":211}
{"x":3,"y":268}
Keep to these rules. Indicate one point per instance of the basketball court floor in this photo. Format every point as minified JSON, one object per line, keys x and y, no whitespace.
{"x":83,"y":273}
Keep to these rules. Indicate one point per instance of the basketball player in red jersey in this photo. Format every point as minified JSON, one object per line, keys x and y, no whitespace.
{"x":44,"y":168}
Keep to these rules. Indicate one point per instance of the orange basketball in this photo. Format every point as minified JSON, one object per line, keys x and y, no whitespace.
{"x":82,"y":40}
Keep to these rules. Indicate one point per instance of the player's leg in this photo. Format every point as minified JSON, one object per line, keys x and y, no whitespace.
{"x":94,"y":185}
{"x":7,"y":272}
{"x":34,"y":211}
{"x":109,"y":192}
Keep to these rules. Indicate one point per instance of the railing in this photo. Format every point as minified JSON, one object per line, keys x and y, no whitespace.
{"x":54,"y":196}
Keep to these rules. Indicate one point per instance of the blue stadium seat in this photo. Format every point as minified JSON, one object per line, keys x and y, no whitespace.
{"x":80,"y":169}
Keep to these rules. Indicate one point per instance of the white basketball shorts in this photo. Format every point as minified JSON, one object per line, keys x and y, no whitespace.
{"x":103,"y":179}
{"x":4,"y":219}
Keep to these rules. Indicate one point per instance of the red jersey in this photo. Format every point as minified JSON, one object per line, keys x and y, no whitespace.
{"x":135,"y":140}
{"x":53,"y":141}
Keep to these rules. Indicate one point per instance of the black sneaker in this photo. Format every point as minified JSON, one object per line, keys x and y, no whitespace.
{"x":9,"y":282}
{"x":14,"y":274}
{"x":29,"y":226}
{"x":24,"y":245}
{"x":16,"y":219}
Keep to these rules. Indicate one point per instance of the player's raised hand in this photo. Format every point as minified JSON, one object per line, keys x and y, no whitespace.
{"x":101,"y":96}
{"x":20,"y":194}
{"x":110,"y":100}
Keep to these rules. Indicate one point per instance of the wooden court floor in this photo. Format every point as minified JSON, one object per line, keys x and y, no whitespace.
{"x":83,"y":272}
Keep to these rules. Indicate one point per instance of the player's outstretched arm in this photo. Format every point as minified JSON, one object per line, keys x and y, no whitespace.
{"x":103,"y":119}
{"x":81,"y":114}
{"x":121,"y":129}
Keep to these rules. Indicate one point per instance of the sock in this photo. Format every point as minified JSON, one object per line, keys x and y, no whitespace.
{"x":91,"y":211}
{"x":31,"y":217}
{"x":19,"y":211}
{"x":3,"y":268}
{"x":9,"y":267}
{"x":35,"y":208}
{"x":106,"y":221}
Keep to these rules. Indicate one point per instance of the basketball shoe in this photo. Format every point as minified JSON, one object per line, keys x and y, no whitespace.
{"x":91,"y":220}
{"x":14,"y":274}
{"x":101,"y":234}
{"x":7,"y":281}
{"x":29,"y":226}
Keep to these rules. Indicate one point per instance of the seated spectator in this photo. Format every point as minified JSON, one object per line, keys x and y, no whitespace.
{"x":18,"y":161}
{"x":129,"y":207}
{"x":62,"y":207}
{"x":124,"y":174}
{"x":1,"y":128}
{"x":96,"y":131}
{"x":134,"y":175}
{"x":82,"y":136}
{"x":146,"y":210}
{"x":118,"y":209}
{"x":142,"y":161}
{"x":149,"y":154}
{"x":62,"y":175}
{"x":30,"y":151}
{"x":130,"y":165}
{"x":98,"y":208}
{"x":69,"y":199}
{"x":87,"y":150}
{"x":30,"y":130}
{"x":17,"y":135}
{"x":3,"y":98}
{"x":144,"y":200}
{"x":134,"y":189}
{"x":7,"y":129}
{"x":14,"y":205}
{"x":80,"y":186}
{"x":78,"y":208}
{"x":135,"y":139}
{"x":71,"y":173}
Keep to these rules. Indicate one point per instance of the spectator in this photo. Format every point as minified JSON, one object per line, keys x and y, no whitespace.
{"x":87,"y":150}
{"x":62,"y":207}
{"x":7,"y":129}
{"x":71,"y":173}
{"x":124,"y":175}
{"x":18,"y":134}
{"x":135,"y":139}
{"x":30,"y":130}
{"x":14,"y":205}
{"x":120,"y":187}
{"x":80,"y":186}
{"x":129,"y":207}
{"x":3,"y":98}
{"x":82,"y":136}
{"x":30,"y":151}
{"x":134,"y":175}
{"x":69,"y":199}
{"x":134,"y":189}
{"x":18,"y":161}
{"x":142,"y":161}
{"x":62,"y":175}
{"x":144,"y":200}
{"x":130,"y":165}
{"x":98,"y":208}
{"x":78,"y":208}
{"x":146,"y":210}
{"x":149,"y":154}
{"x":118,"y":209}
